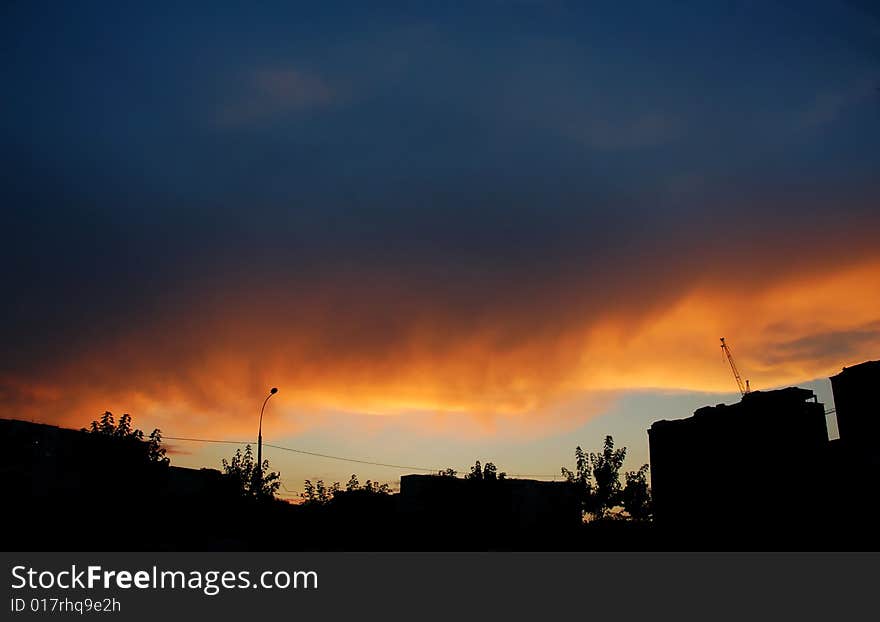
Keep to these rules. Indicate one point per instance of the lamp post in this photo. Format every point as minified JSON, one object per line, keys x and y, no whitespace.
{"x":272,"y":392}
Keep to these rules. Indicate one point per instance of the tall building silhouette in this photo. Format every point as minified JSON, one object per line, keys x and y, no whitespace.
{"x":722,"y":467}
{"x":763,"y":470}
{"x":857,"y":401}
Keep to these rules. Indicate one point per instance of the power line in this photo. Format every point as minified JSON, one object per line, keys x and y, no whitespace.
{"x":332,"y":457}
{"x":293,"y":493}
{"x":307,"y":453}
{"x":381,"y":464}
{"x":204,"y":440}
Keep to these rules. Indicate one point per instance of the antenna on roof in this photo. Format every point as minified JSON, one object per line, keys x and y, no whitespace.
{"x":744,"y":388}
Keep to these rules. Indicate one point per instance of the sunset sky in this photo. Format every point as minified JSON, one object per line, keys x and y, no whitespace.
{"x":446,"y":231}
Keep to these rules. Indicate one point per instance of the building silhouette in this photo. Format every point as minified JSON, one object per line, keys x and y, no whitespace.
{"x":717,"y":467}
{"x":856,"y":391}
{"x":71,"y":489}
{"x":506,"y":504}
{"x":758,"y":474}
{"x":764,"y":471}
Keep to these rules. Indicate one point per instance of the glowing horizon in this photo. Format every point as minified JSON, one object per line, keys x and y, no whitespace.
{"x":785,"y":333}
{"x":443,"y":228}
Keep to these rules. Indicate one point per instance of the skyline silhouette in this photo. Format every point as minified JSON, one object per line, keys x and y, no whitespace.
{"x":300,"y":458}
{"x":761,"y":473}
{"x":443,"y":231}
{"x":446,"y":232}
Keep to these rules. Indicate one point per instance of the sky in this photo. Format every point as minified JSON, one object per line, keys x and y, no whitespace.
{"x":446,"y":231}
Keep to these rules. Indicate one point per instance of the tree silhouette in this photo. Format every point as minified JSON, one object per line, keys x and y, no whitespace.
{"x":636,"y":497}
{"x":251,"y":480}
{"x":476,"y":472}
{"x":375,"y":488}
{"x":124,"y":428}
{"x":447,"y":473}
{"x":156,"y":453}
{"x":597,"y":481}
{"x":581,"y":478}
{"x":480,"y":472}
{"x":605,"y":467}
{"x":107,"y":426}
{"x":319,"y":493}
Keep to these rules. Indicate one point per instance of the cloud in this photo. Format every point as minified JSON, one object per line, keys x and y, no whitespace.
{"x":585,"y":105}
{"x":833,"y":347}
{"x":376,"y":346}
{"x":476,"y":245}
{"x":831,"y":105}
{"x":272,"y":93}
{"x":643,"y":130}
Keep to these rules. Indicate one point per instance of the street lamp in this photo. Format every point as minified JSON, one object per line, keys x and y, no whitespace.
{"x":272,"y":392}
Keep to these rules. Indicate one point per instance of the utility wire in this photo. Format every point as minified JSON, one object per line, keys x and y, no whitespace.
{"x":381,"y":464}
{"x":331,"y":457}
{"x":204,"y":440}
{"x":304,"y":452}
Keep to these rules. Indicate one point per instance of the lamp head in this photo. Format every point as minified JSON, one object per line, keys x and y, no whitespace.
{"x":273,"y":391}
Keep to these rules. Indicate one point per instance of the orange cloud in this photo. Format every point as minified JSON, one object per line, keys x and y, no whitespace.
{"x":379,"y":349}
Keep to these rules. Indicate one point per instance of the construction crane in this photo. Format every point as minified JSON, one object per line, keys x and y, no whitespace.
{"x":743,"y":388}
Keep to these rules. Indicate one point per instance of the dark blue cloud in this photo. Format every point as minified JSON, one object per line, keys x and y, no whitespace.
{"x":152,"y":150}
